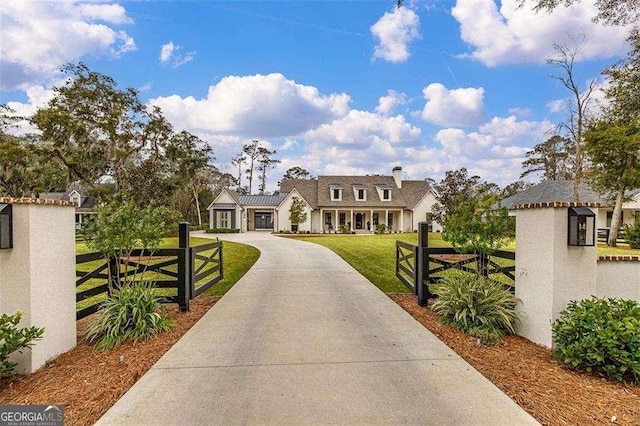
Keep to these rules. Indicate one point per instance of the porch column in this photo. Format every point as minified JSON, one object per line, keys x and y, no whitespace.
{"x":401,"y":221}
{"x":371,"y":228}
{"x":386,"y":218}
{"x":336,"y":222}
{"x":321,"y":220}
{"x":353,"y":226}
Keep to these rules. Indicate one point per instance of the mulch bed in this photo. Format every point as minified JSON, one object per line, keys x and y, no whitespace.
{"x":89,"y":382}
{"x":532,"y":377}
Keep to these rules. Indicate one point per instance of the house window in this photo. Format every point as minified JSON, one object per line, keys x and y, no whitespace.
{"x":224,"y":219}
{"x":375,"y":219}
{"x":76,"y":200}
{"x":336,"y":194}
{"x":386,"y":194}
{"x":429,"y":222}
{"x":343,"y":218}
{"x":390,"y":220}
{"x":361,"y":194}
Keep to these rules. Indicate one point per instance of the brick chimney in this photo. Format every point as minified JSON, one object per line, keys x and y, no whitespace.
{"x":397,"y":176}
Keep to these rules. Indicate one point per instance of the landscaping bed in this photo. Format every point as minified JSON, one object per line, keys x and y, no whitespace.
{"x":89,"y":382}
{"x":532,"y":377}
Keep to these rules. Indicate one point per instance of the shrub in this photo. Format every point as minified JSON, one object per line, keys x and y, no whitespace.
{"x":223,"y":231}
{"x":380,"y":228}
{"x":475,"y":305}
{"x":632,"y":234}
{"x":130,"y":313}
{"x":14,"y":339}
{"x":600,"y":335}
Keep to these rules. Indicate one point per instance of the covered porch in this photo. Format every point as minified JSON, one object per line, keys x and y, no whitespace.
{"x":361,"y":220}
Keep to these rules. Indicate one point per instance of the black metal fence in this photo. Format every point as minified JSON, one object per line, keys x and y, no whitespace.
{"x":419,"y":266}
{"x":185,"y":272}
{"x":603,"y":236}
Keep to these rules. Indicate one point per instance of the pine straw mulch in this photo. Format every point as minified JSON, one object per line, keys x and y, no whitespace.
{"x":531,"y":376}
{"x":89,"y":382}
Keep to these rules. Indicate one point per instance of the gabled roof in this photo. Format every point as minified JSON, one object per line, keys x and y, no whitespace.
{"x":550,"y":191}
{"x":87,"y":203}
{"x":308,"y":188}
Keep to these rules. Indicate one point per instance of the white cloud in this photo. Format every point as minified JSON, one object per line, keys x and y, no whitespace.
{"x":497,"y":149}
{"x":259,"y":106}
{"x":169,"y":54}
{"x":513,"y":35}
{"x":455,"y":107}
{"x":395,"y":30}
{"x":362,"y":129}
{"x":38,"y":37}
{"x":37,"y":97}
{"x":386,"y":104}
{"x":166,"y":51}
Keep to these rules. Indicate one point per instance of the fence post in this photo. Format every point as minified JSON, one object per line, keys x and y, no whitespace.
{"x":422,"y":264}
{"x":220,"y":253}
{"x":184,"y":267}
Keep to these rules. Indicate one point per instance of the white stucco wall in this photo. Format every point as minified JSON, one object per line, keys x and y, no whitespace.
{"x":282,"y":218}
{"x":549,"y":273}
{"x":37,"y":277}
{"x":421,"y":210}
{"x":618,"y":279}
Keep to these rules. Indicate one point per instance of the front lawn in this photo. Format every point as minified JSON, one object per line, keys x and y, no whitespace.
{"x":374,"y":256}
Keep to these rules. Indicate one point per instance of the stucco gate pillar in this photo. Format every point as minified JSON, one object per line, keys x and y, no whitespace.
{"x":549,"y":272}
{"x":37,"y":276}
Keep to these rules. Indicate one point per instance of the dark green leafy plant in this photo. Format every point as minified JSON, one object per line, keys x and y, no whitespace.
{"x":14,"y":339}
{"x":131,"y":313}
{"x":601,"y":336}
{"x":632,"y":234}
{"x":476,"y":305}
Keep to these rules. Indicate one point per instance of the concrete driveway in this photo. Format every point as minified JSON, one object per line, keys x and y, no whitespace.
{"x":303,"y":338}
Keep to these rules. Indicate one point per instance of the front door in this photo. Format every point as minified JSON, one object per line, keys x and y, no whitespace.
{"x":359,"y":221}
{"x":263,"y":220}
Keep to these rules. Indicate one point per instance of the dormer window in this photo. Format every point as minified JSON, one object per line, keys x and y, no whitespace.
{"x":384,"y":191}
{"x":336,"y":192}
{"x":360,"y":192}
{"x":75,"y":198}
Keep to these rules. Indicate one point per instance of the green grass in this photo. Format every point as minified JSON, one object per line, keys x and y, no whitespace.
{"x":374,"y":256}
{"x":237,"y":260}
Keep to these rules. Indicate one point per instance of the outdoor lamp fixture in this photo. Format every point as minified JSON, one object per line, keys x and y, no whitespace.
{"x":582,"y":227}
{"x":6,"y":226}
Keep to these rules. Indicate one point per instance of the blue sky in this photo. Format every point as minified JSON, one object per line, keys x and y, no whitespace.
{"x":336,"y":87}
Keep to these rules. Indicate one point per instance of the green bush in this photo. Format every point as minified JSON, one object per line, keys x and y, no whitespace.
{"x":14,"y":339}
{"x":130,"y":313}
{"x":222,"y":231}
{"x":600,"y":335}
{"x":380,"y":228}
{"x":632,"y":234}
{"x":475,"y":305}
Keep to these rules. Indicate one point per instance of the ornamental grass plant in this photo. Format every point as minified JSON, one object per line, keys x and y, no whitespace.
{"x":476,"y":305}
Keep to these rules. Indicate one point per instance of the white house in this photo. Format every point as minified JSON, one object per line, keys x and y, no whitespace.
{"x":362,"y":202}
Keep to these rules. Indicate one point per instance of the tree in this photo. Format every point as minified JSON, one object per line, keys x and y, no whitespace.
{"x":297,"y":213}
{"x":297,"y":172}
{"x":25,"y":170}
{"x":457,"y":187}
{"x":610,"y":12}
{"x":564,"y":59}
{"x":265,"y":162}
{"x":553,"y":158}
{"x":238,"y":160}
{"x":613,"y":148}
{"x":251,"y":154}
{"x":120,"y":226}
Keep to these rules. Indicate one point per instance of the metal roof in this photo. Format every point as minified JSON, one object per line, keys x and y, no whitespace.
{"x":261,"y":200}
{"x":223,"y":206}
